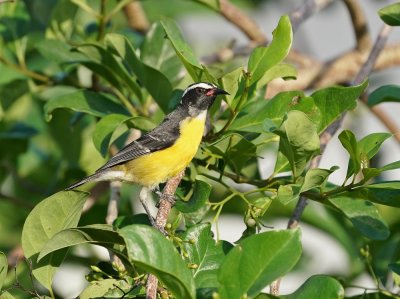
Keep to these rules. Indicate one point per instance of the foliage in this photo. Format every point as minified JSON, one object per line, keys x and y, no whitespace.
{"x":75,"y":82}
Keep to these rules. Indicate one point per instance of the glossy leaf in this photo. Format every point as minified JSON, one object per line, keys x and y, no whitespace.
{"x":333,"y":101}
{"x":349,"y":142}
{"x":112,"y":67}
{"x":3,"y":269}
{"x":182,"y":49}
{"x":104,"y":130}
{"x":257,"y":261}
{"x":299,"y":140}
{"x":201,"y":194}
{"x":161,"y":92}
{"x":206,"y":254}
{"x":54,"y":214}
{"x":386,"y":193}
{"x":100,"y":234}
{"x":390,"y":14}
{"x":316,"y":177}
{"x":318,"y":286}
{"x":264,"y":58}
{"x":157,"y":53}
{"x":93,"y":103}
{"x":148,"y":249}
{"x":364,"y":216}
{"x":386,"y":93}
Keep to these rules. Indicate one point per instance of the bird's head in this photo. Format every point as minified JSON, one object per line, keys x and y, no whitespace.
{"x":200,"y":96}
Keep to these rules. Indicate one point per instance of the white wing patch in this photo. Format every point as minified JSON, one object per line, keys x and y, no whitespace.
{"x":201,"y":84}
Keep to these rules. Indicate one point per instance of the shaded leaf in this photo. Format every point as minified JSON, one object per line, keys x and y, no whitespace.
{"x":3,"y":269}
{"x":241,"y":274}
{"x":386,"y":93}
{"x":148,"y":249}
{"x":386,"y":193}
{"x":349,"y":142}
{"x":364,"y":216}
{"x":206,"y":254}
{"x":52,"y":215}
{"x":182,"y":49}
{"x":201,"y":194}
{"x":333,"y":101}
{"x":93,"y":103}
{"x":299,"y":140}
{"x":288,"y":193}
{"x":100,"y":234}
{"x":390,"y":14}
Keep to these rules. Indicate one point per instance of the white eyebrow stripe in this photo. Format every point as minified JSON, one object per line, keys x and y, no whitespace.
{"x":201,"y":84}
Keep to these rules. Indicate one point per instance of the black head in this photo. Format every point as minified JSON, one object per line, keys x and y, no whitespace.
{"x":200,"y":96}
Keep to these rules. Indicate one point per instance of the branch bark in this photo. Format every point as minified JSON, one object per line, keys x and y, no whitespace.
{"x":164,"y":209}
{"x":136,"y":17}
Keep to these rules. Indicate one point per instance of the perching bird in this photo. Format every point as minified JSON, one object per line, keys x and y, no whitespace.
{"x":167,"y":149}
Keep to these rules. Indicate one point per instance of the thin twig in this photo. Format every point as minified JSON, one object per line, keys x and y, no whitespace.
{"x":306,"y":10}
{"x":164,"y":209}
{"x":242,"y":21}
{"x":360,"y":25}
{"x":136,"y":17}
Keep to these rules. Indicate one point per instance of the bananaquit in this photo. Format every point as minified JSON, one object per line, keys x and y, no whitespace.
{"x":166,"y":150}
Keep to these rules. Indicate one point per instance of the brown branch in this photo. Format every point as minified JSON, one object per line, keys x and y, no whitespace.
{"x":242,"y":21}
{"x":360,"y":25}
{"x":164,"y":209}
{"x":306,"y":10}
{"x":136,"y":17}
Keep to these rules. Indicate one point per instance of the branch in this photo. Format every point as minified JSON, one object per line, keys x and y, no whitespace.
{"x":360,"y":25}
{"x":164,"y":209}
{"x":242,"y":21}
{"x":136,"y":17}
{"x":306,"y":10}
{"x":17,"y":201}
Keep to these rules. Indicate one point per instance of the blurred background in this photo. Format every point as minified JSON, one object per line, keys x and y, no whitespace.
{"x":30,"y":169}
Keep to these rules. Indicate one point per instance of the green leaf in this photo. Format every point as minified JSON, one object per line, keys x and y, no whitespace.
{"x":370,"y":144}
{"x":318,"y":286}
{"x":104,"y":130}
{"x":316,"y":177}
{"x":93,"y":103}
{"x":162,"y":90}
{"x":201,"y":194}
{"x":255,"y":115}
{"x":374,"y":295}
{"x":264,"y":58}
{"x":391,"y":166}
{"x":7,"y":295}
{"x":364,"y":216}
{"x":257,"y":261}
{"x":148,"y":249}
{"x":395,"y":267}
{"x":385,"y":193}
{"x":280,"y":70}
{"x":98,"y":289}
{"x":333,"y":101}
{"x":3,"y":269}
{"x":206,"y":254}
{"x":100,"y":234}
{"x":213,"y":4}
{"x":157,"y":53}
{"x":349,"y":142}
{"x":299,"y":140}
{"x":58,"y":51}
{"x":386,"y":93}
{"x":288,"y":193}
{"x":52,"y":215}
{"x":390,"y":14}
{"x":182,"y":49}
{"x":109,"y":67}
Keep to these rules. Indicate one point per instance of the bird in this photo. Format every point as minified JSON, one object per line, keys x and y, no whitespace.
{"x":166,"y":150}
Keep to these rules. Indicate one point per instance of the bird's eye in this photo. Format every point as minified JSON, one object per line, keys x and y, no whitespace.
{"x":199,"y":90}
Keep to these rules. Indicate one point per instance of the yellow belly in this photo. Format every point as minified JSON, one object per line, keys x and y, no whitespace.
{"x":155,"y":168}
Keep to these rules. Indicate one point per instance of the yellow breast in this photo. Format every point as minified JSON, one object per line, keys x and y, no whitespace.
{"x":155,"y":168}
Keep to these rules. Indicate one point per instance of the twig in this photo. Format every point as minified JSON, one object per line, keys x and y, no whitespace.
{"x":242,"y":21}
{"x":17,"y":201}
{"x":25,"y":71}
{"x":306,"y":10}
{"x":360,"y":25}
{"x":164,"y":209}
{"x":136,"y":17}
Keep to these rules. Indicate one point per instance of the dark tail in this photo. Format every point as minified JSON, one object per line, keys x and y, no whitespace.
{"x":89,"y":178}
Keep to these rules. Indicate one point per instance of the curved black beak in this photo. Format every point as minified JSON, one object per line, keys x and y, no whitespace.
{"x":219,"y":91}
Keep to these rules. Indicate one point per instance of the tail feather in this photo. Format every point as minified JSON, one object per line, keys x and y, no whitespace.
{"x":93,"y":177}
